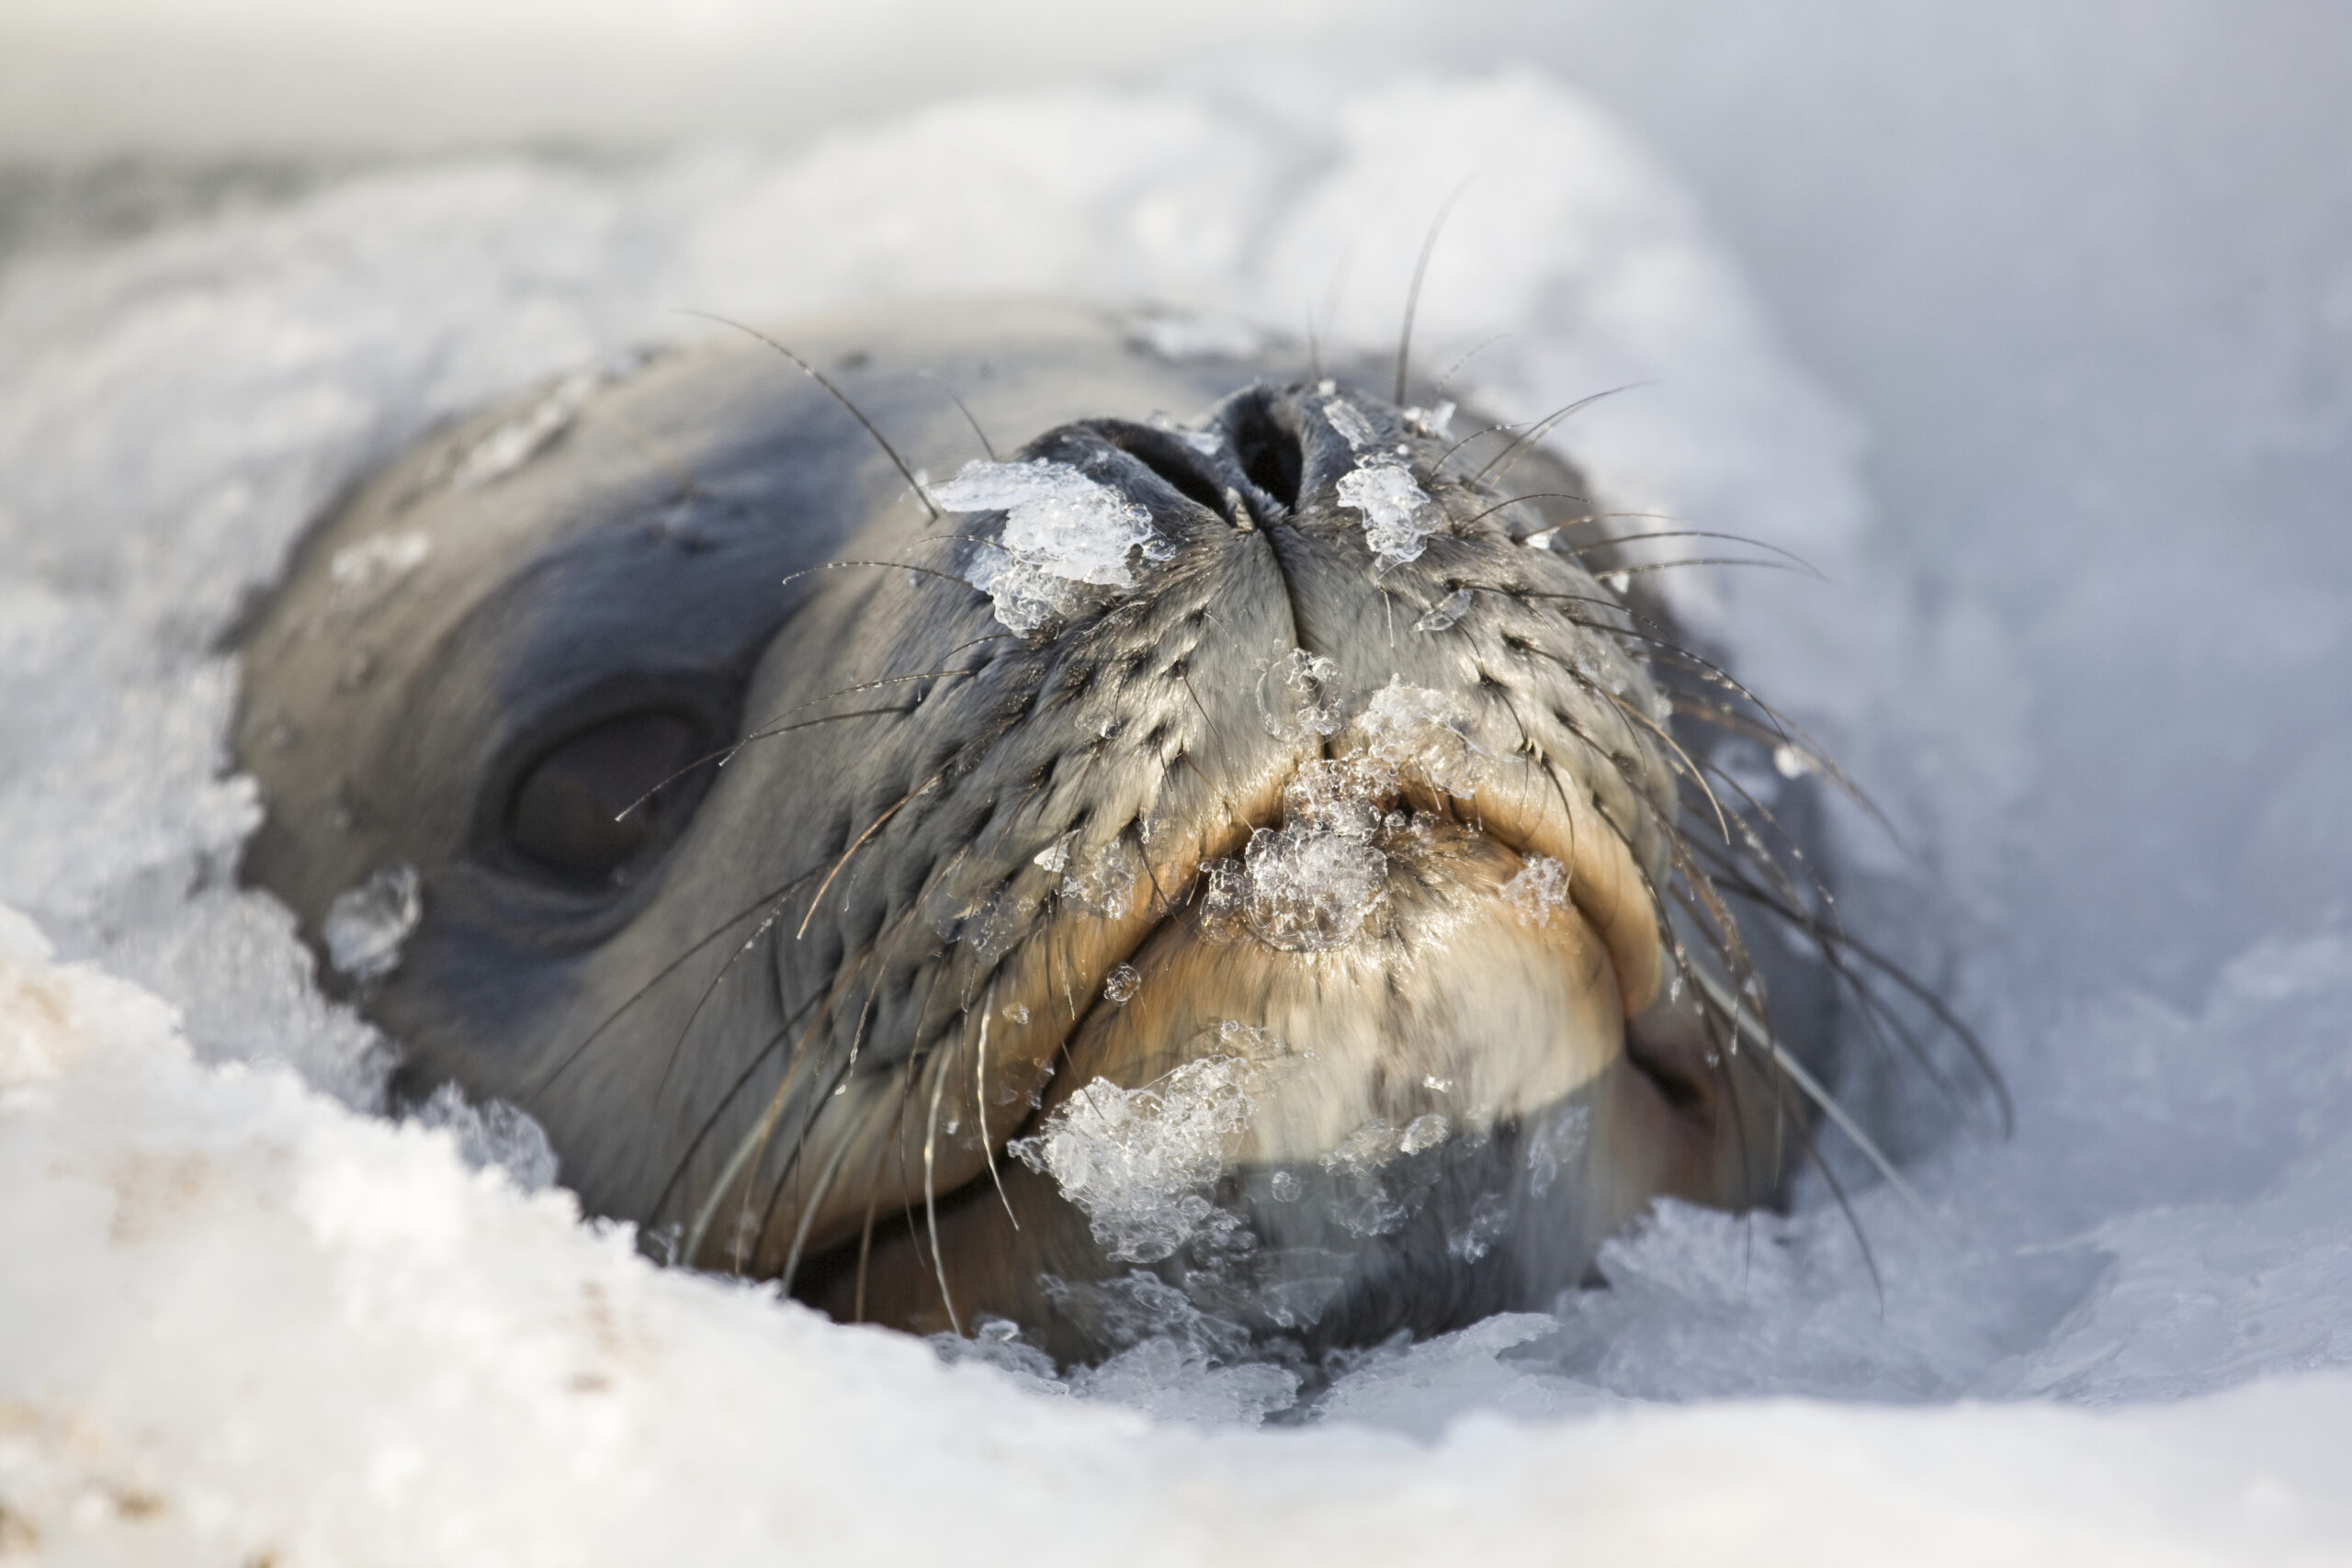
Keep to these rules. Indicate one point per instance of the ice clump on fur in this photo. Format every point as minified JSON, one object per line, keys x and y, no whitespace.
{"x":1321,"y":878}
{"x":365,"y":926}
{"x":1299,"y":694}
{"x":1538,"y":890}
{"x":1399,"y":515}
{"x":1415,"y":731}
{"x":1061,"y":528}
{"x":1137,"y":1162}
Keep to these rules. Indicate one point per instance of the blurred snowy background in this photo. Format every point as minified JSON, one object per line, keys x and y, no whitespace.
{"x":2032,"y":323}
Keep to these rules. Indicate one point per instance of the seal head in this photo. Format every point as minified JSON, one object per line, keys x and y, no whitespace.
{"x":1229,"y":862}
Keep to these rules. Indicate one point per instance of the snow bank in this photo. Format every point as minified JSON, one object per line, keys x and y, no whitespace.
{"x":243,"y":1317}
{"x":246,"y":1323}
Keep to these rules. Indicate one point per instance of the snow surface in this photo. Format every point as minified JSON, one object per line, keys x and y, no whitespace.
{"x":247,"y":1318}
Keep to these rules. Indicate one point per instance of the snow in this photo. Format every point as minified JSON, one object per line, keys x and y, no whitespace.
{"x":366,"y":925}
{"x":247,"y":1315}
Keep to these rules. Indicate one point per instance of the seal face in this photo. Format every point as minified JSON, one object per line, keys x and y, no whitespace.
{"x":1228,"y":865}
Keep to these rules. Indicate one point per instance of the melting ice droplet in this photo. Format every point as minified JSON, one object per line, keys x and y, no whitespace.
{"x":1445,"y":612}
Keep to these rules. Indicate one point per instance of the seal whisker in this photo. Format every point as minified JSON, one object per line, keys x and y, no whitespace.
{"x":792,"y":577}
{"x":872,"y":828}
{"x":1466,"y":356}
{"x":1501,"y":464}
{"x":1644,"y":568}
{"x":752,"y":1145}
{"x":963,"y":407}
{"x":1760,"y":1036}
{"x":1421,"y":271}
{"x":1507,"y":502}
{"x":774,"y":913}
{"x":980,"y":1109}
{"x":664,"y":973}
{"x":1837,"y":942}
{"x":930,"y":1202}
{"x":709,"y":1123}
{"x":1618,"y":541}
{"x":837,"y":395}
{"x":1690,"y":769}
{"x":726,"y":753}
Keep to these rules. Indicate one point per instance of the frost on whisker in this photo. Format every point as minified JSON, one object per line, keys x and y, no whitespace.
{"x":1061,"y":530}
{"x":1399,"y":515}
{"x":1138,"y":1162}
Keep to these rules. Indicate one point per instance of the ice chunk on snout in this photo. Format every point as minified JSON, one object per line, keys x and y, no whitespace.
{"x":1399,"y":515}
{"x":1061,"y":529}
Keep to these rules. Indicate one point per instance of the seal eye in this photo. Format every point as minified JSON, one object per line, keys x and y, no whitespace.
{"x":567,"y":815}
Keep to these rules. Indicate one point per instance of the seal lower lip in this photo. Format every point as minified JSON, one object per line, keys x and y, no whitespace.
{"x":1461,"y":998}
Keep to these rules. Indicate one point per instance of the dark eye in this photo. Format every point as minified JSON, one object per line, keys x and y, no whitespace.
{"x":605,"y":797}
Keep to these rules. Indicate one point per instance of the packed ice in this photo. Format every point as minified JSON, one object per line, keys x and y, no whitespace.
{"x":1060,"y":528}
{"x":268,"y":1321}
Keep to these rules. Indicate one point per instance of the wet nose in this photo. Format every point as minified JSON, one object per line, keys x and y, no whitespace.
{"x":1250,"y":460}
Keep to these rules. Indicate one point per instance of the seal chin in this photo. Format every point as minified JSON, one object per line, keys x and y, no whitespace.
{"x":1380,"y":1113}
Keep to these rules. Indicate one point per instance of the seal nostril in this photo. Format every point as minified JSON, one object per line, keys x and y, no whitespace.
{"x":1269,"y":452}
{"x":1173,"y":463}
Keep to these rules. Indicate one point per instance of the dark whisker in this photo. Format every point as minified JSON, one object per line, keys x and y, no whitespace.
{"x":986,"y":444}
{"x":837,"y":395}
{"x":664,"y":973}
{"x":1508,"y":458}
{"x":1413,"y":295}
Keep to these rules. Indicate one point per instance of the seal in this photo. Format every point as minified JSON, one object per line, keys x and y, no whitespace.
{"x":1268,"y":864}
